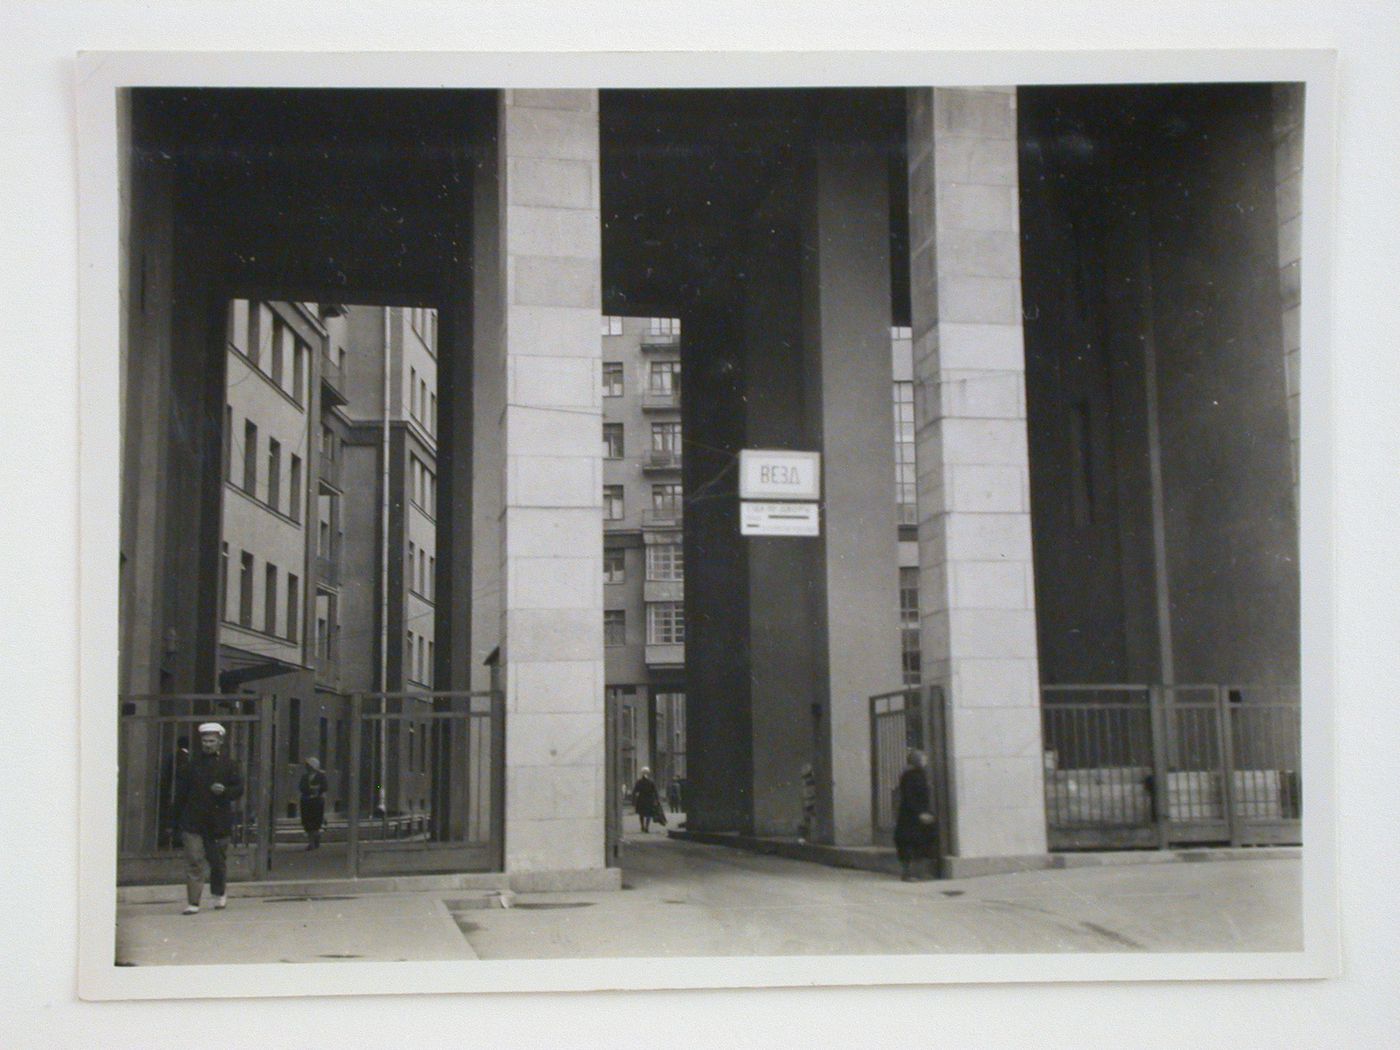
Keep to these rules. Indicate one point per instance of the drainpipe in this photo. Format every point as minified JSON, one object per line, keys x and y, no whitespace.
{"x":384,"y":571}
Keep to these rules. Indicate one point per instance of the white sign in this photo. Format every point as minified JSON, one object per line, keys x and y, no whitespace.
{"x":778,"y":519}
{"x":778,"y":474}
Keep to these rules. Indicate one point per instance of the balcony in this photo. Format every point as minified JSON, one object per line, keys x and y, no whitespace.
{"x":328,"y":570}
{"x":666,"y":517}
{"x":332,"y":382}
{"x":662,"y":459}
{"x":653,"y":343}
{"x":661,"y":400}
{"x":328,"y":470}
{"x":665,"y":655}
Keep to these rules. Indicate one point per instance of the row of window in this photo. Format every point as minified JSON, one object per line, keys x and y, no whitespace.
{"x":271,"y":346}
{"x":422,"y":402}
{"x":905,"y":472}
{"x":667,"y":502}
{"x":612,"y":325}
{"x":665,"y":438}
{"x":665,"y":561}
{"x":290,"y":624}
{"x":424,"y":321}
{"x":663,"y":377}
{"x":271,"y":492}
{"x":665,"y":624}
{"x":418,"y":659}
{"x":422,"y":486}
{"x":422,"y":571}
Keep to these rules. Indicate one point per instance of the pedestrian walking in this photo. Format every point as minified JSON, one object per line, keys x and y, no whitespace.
{"x":673,"y":796}
{"x":914,"y":820}
{"x":647,"y":801}
{"x":313,"y":789}
{"x":203,"y":811}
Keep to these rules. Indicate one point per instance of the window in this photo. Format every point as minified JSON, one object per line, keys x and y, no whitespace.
{"x":666,"y":500}
{"x":270,"y":599}
{"x":909,"y":625}
{"x":432,"y":414}
{"x":665,"y":623}
{"x":428,"y":670}
{"x":412,"y":565}
{"x":280,"y":338}
{"x":422,"y":571}
{"x":614,"y":626}
{"x":420,"y":662}
{"x":901,"y":332}
{"x":228,"y":443}
{"x":612,"y":378}
{"x":666,"y":437}
{"x":260,"y":324}
{"x":410,"y":669}
{"x":245,"y":590}
{"x":294,"y":485}
{"x":250,"y":457}
{"x":664,"y":377}
{"x":612,"y":325}
{"x":614,"y":565}
{"x":904,"y":467}
{"x":238,"y":325}
{"x":293,"y":606}
{"x":323,"y":740}
{"x":274,"y":473}
{"x":299,"y":353}
{"x":413,"y":392}
{"x":665,"y":562}
{"x":223,"y":580}
{"x":612,"y":440}
{"x":432,"y":577}
{"x":664,"y":326}
{"x":612,"y":502}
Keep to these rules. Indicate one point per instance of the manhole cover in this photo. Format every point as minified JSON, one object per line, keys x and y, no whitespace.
{"x":952,"y":893}
{"x":554,"y":906}
{"x":289,"y":900}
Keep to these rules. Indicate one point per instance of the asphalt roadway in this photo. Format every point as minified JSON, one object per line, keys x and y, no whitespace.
{"x":683,"y":899}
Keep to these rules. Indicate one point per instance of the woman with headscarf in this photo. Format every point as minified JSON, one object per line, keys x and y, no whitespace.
{"x":647,"y":800}
{"x":914,"y":821}
{"x":313,"y":788}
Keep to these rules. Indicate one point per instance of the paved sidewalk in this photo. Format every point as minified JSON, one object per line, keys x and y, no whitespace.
{"x":376,"y":928}
{"x":689,"y":899}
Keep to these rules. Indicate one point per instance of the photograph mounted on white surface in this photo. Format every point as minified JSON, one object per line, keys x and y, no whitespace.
{"x":846,"y":532}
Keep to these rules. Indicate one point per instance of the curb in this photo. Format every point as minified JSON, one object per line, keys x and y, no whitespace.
{"x":883,"y":861}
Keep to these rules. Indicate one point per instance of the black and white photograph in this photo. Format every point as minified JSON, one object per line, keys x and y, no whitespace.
{"x":597,"y":523}
{"x":702,"y":524}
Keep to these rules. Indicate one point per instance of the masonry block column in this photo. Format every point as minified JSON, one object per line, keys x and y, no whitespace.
{"x":847,"y":376}
{"x":551,"y":543}
{"x":976,"y":585}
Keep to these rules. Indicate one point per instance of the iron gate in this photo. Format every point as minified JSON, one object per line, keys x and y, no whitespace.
{"x":909,"y":718}
{"x":1141,"y":766}
{"x":417,"y":785}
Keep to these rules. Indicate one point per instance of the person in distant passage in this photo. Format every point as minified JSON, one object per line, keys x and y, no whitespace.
{"x":647,"y":801}
{"x":809,"y":804}
{"x":673,"y":796}
{"x":203,"y":811}
{"x":313,"y":789}
{"x":914,"y":821}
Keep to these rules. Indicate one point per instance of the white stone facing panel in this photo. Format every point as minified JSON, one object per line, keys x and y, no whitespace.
{"x":551,"y":418}
{"x":976,"y":575}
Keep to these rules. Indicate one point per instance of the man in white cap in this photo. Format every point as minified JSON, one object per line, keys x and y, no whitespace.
{"x":203,"y":810}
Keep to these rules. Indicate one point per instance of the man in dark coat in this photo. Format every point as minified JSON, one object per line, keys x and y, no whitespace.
{"x":312,"y":789}
{"x":647,"y":800}
{"x":914,"y":821}
{"x":203,"y":809}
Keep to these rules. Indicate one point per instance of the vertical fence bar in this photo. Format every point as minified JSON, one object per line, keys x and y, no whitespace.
{"x":498,"y":776}
{"x":1227,"y":763}
{"x":352,"y":808}
{"x":1160,"y":727}
{"x":264,"y":800}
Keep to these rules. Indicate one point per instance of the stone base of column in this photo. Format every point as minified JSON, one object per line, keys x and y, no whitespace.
{"x":973,"y":867}
{"x":582,"y":880}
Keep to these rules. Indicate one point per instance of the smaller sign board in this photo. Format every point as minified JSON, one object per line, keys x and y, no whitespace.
{"x":778,"y":519}
{"x":775,"y":474}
